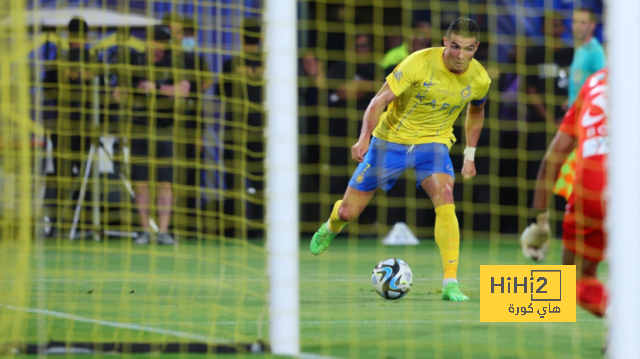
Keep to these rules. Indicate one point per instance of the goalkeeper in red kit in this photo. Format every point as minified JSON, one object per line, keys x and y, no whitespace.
{"x":583,"y":240}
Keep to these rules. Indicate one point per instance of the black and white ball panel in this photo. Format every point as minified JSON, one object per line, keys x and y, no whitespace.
{"x":392,"y":278}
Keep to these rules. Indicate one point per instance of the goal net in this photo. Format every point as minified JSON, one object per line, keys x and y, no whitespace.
{"x":131,"y":159}
{"x":347,"y":50}
{"x":159,"y":189}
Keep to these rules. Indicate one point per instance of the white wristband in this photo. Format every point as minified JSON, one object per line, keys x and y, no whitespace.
{"x":470,"y":153}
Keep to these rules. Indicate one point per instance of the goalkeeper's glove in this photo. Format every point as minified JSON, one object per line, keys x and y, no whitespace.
{"x":536,"y":238}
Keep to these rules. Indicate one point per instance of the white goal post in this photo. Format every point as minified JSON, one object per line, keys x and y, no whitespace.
{"x":623,"y":211}
{"x":281,"y":91}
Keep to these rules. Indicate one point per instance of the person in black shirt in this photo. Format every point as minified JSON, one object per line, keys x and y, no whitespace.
{"x":548,"y":69}
{"x":158,"y":98}
{"x":241,"y":79}
{"x":195,"y":126}
{"x":72,"y":75}
{"x":192,"y":126}
{"x":358,"y":79}
{"x":240,"y":87}
{"x":547,"y":89}
{"x":69,"y":82}
{"x":186,"y":58}
{"x":313,"y":96}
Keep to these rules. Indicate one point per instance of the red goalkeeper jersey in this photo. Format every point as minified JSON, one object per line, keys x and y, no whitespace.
{"x":586,"y":121}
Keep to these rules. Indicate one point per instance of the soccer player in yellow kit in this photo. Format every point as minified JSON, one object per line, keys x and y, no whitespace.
{"x":425,"y":95}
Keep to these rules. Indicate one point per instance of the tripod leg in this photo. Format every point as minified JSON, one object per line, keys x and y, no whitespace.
{"x":129,"y":188}
{"x":127,"y":184}
{"x":95,"y":191}
{"x":83,"y":190}
{"x":96,"y":167}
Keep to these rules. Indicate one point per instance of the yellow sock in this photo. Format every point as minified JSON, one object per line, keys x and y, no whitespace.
{"x":335,"y":224}
{"x":447,"y":235}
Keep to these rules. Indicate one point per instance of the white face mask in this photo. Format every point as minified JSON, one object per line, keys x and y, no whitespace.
{"x":188,"y":44}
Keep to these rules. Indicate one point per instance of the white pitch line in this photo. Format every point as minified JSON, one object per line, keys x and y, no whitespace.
{"x":174,"y":333}
{"x":119,"y":325}
{"x":191,"y":280}
{"x":206,"y":339}
{"x":342,"y":322}
{"x":315,"y":356}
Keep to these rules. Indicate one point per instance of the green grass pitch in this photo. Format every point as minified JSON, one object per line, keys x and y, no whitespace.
{"x":115,"y":291}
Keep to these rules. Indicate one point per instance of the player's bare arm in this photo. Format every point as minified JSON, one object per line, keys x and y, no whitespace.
{"x":535,"y":238}
{"x":473,"y":127}
{"x":559,"y":149}
{"x":371,"y":117}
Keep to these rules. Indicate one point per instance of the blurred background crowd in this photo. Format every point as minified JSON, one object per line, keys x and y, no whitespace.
{"x":175,"y":106}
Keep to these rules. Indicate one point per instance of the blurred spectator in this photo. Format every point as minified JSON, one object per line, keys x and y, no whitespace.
{"x":70,"y":82}
{"x":194,"y":61}
{"x":191,"y":128}
{"x":241,"y":87}
{"x":157,"y":98}
{"x":547,"y":89}
{"x":511,"y":111}
{"x":509,"y":84}
{"x":184,"y":51}
{"x":200,"y":73}
{"x":313,"y":68}
{"x":313,"y":91}
{"x":241,"y":78}
{"x":420,"y":39}
{"x":395,"y":47}
{"x":313,"y":100}
{"x":393,"y":39}
{"x":189,"y":41}
{"x":589,"y":55}
{"x":358,"y":78}
{"x":176,"y":26}
{"x":548,"y":69}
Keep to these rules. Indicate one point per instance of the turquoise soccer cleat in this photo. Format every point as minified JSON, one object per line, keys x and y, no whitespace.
{"x":321,"y":240}
{"x":452,"y":292}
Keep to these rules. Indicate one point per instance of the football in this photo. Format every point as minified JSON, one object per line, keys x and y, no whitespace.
{"x":392,"y":278}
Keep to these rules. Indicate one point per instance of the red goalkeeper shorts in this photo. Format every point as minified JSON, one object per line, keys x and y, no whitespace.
{"x":583,"y":228}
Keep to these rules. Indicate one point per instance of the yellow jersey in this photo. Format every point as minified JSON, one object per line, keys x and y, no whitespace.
{"x":430,"y":98}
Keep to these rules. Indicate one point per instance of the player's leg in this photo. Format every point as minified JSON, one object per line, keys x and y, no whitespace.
{"x":344,"y":211}
{"x":583,"y":247}
{"x":591,"y":294}
{"x":382,"y":165}
{"x":439,"y":187}
{"x":438,"y":184}
{"x":349,"y":208}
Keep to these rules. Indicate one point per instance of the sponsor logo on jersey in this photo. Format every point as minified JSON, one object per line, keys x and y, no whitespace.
{"x":599,"y":101}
